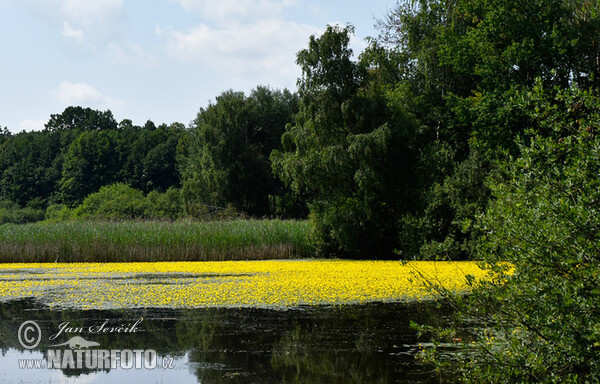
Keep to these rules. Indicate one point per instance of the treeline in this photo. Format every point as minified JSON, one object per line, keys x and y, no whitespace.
{"x":389,"y":154}
{"x":85,"y":164}
{"x":81,"y":150}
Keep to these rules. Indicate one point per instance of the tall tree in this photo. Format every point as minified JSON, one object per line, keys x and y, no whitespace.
{"x":540,"y":242}
{"x":228,"y":157}
{"x":29,"y":167}
{"x":350,"y":150}
{"x":150,"y":157}
{"x":82,"y":119}
{"x":90,"y":163}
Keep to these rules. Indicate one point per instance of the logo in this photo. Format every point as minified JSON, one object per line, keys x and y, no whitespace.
{"x":26,"y":333}
{"x":78,"y":342}
{"x":84,"y":354}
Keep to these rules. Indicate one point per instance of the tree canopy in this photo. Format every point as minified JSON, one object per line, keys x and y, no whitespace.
{"x":229,"y":147}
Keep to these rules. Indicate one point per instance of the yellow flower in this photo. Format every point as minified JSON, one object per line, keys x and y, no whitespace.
{"x":272,"y":283}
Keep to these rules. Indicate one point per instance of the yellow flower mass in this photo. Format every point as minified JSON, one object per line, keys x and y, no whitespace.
{"x":266,"y":284}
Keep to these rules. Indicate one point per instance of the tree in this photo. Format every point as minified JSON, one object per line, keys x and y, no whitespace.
{"x":80,"y":151}
{"x":4,"y":134}
{"x":227,"y":160}
{"x":149,"y":157}
{"x":30,"y":167}
{"x":350,"y":150}
{"x":81,"y":119}
{"x":90,"y":163}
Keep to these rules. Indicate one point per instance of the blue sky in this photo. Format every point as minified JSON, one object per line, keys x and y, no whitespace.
{"x":155,"y":59}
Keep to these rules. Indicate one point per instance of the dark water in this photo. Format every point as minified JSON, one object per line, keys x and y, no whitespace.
{"x":371,"y":343}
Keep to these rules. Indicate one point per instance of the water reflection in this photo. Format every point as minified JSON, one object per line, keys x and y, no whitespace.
{"x":369,"y":343}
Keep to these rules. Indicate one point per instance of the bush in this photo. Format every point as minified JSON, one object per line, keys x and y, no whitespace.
{"x":113,"y":202}
{"x":168,"y":205}
{"x":444,"y":229}
{"x":58,"y":212}
{"x":122,"y":202}
{"x":10,"y":212}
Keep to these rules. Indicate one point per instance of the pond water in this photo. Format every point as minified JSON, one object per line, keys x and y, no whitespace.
{"x":367,"y":343}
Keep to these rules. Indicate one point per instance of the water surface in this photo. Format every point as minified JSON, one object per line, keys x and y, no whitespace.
{"x":366,"y":343}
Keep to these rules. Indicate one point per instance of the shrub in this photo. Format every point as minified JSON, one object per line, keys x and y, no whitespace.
{"x":10,"y":212}
{"x":113,"y":202}
{"x":58,"y":212}
{"x":168,"y":205}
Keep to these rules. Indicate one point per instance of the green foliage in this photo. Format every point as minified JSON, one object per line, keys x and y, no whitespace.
{"x":506,"y":46}
{"x":29,"y":166}
{"x":82,"y":150}
{"x":227,"y":159}
{"x":350,"y":150}
{"x":118,"y":202}
{"x":543,"y":225}
{"x":206,"y":212}
{"x":4,"y":134}
{"x":112,"y":202}
{"x":81,"y":119}
{"x":58,"y":212}
{"x":149,"y":157}
{"x":11,"y":213}
{"x":445,"y":229}
{"x":167,"y":205}
{"x":466,"y":73}
{"x":90,"y":163}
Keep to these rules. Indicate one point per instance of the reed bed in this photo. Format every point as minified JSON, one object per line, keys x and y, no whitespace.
{"x":137,"y":241}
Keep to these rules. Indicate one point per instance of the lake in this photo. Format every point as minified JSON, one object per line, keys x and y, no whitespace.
{"x":359,"y":343}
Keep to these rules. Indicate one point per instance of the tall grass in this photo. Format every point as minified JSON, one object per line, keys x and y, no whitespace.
{"x":154,"y":241}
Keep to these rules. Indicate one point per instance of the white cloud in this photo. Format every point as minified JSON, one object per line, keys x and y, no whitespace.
{"x":32,"y":125}
{"x":69,"y":31}
{"x":263,"y":51}
{"x":250,"y":40}
{"x":90,"y":21}
{"x":84,"y":95}
{"x":133,"y":53}
{"x":226,"y":10}
{"x":88,"y":12}
{"x":78,"y":94}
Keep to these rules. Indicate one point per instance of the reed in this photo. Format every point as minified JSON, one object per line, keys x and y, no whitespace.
{"x":129,"y":241}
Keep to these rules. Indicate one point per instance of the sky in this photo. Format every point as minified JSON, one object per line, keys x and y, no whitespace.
{"x":159,"y":60}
